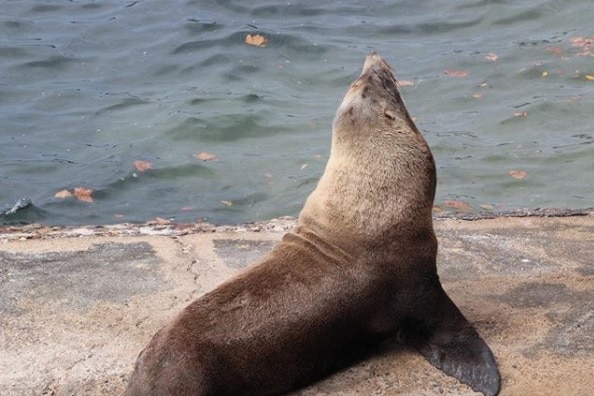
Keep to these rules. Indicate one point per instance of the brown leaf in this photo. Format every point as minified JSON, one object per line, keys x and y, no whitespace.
{"x":491,"y":57}
{"x":63,"y":194}
{"x":141,"y":165}
{"x":518,"y":174}
{"x":227,"y":203}
{"x":477,"y":95}
{"x":405,"y":83}
{"x":456,"y":73}
{"x":590,"y":77}
{"x":458,"y":205}
{"x":83,"y":194}
{"x":204,"y":156}
{"x":256,"y":40}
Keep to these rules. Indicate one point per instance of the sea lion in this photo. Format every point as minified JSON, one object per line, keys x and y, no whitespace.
{"x":359,"y":268}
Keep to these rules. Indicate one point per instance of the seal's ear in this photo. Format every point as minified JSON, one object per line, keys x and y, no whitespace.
{"x":450,"y":343}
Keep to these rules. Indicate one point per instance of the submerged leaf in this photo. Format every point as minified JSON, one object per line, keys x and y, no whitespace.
{"x":456,"y":73}
{"x":256,"y":40}
{"x":518,"y":174}
{"x":460,"y":205}
{"x":63,"y":194}
{"x":141,"y":166}
{"x":491,"y":57}
{"x":83,"y":194}
{"x":204,"y":156}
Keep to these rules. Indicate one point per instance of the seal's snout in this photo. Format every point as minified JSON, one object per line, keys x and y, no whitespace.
{"x":375,"y":63}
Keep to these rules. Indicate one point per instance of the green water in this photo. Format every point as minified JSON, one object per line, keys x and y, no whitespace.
{"x":87,"y":88}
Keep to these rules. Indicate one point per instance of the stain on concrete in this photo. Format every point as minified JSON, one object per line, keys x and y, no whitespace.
{"x":239,"y":253}
{"x":570,"y":313}
{"x":111,"y":271}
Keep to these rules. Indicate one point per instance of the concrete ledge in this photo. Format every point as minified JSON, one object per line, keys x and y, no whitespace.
{"x":77,"y":305}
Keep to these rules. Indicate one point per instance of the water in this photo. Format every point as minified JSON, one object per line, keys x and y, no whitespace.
{"x":88,"y":88}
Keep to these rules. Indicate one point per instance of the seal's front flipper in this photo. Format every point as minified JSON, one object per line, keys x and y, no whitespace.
{"x":449,"y":342}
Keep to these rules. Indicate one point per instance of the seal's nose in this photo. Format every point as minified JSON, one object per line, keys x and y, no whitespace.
{"x":372,"y":61}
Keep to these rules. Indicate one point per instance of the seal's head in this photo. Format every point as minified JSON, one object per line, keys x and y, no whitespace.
{"x":380,"y":174}
{"x":373,"y":101}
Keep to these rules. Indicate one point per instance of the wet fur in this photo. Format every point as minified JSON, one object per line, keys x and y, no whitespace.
{"x":358,"y":269}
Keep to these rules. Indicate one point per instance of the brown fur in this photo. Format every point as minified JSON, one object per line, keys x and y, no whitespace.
{"x":359,"y":268}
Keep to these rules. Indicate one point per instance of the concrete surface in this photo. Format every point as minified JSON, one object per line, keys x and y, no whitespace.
{"x":78,"y":305}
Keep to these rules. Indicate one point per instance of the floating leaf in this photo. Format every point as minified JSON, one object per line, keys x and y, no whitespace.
{"x":187,"y":209}
{"x":544,"y":74}
{"x":227,"y":203}
{"x":456,"y":73}
{"x":521,"y":114}
{"x":256,"y":40}
{"x":460,"y":205}
{"x":487,"y":207}
{"x":477,"y":95}
{"x":518,"y":174}
{"x":204,"y":156}
{"x":63,"y":194}
{"x":405,"y":83}
{"x":589,"y":77}
{"x":160,"y":221}
{"x":83,"y":194}
{"x":491,"y":57}
{"x":304,"y":166}
{"x":141,"y":166}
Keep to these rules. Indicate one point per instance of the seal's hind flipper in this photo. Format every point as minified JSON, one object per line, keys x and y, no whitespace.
{"x":465,"y":356}
{"x":450,"y":343}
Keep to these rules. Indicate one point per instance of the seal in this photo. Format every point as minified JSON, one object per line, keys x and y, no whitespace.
{"x":359,"y":268}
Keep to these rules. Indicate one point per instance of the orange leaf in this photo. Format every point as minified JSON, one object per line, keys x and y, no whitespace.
{"x":204,"y":156}
{"x":589,"y":77}
{"x":256,"y":40}
{"x":491,"y":57}
{"x":405,"y":83}
{"x":456,"y":73}
{"x":83,"y":194}
{"x":63,"y":194}
{"x":141,"y":166}
{"x":544,"y":74}
{"x":458,"y":205}
{"x":518,"y":174}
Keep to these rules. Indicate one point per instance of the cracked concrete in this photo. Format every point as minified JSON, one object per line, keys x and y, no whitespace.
{"x":76,"y":307}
